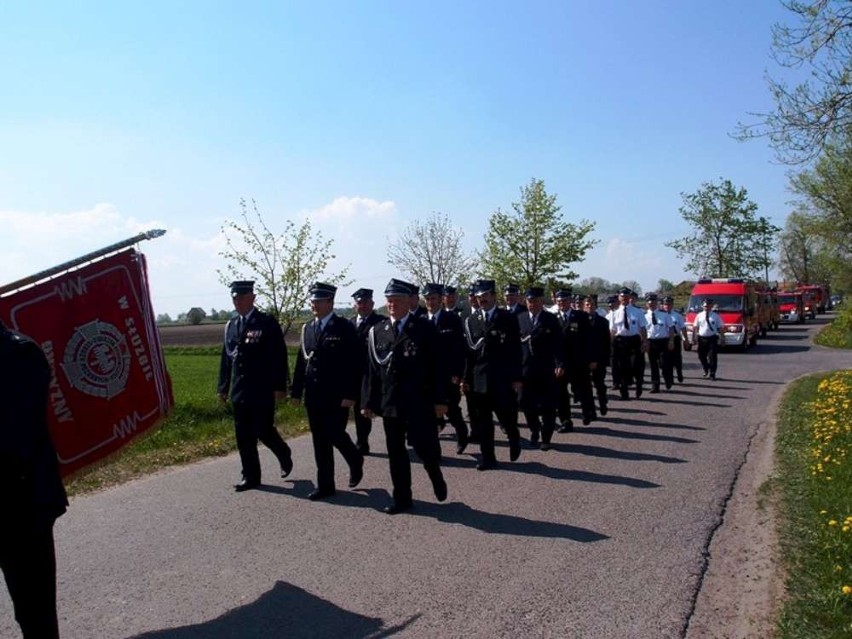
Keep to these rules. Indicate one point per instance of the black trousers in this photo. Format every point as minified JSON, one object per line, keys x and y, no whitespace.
{"x":539,"y":399}
{"x":422,"y":434}
{"x":616,"y":368}
{"x":578,"y":381}
{"x":708,"y":353}
{"x":328,"y":431}
{"x":363,"y":426}
{"x":677,"y":357}
{"x":483,"y":406}
{"x":631,"y":361}
{"x":28,"y":560}
{"x":599,"y":382}
{"x":255,"y":421}
{"x":660,"y":358}
{"x":454,"y":413}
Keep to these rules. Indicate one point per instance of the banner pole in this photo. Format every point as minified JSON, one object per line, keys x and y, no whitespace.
{"x":88,"y":257}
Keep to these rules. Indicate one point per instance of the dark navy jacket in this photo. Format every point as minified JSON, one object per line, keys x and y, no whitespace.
{"x":254,"y":363}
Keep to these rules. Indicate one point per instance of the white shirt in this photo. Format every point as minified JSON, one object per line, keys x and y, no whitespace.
{"x":678,"y":321}
{"x":662,"y":329}
{"x":627,"y":320}
{"x":708,"y":327}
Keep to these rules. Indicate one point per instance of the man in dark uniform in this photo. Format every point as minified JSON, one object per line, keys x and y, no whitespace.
{"x":416,"y":309}
{"x":493,"y":373}
{"x":541,"y":343}
{"x":407,"y":387}
{"x":576,"y":332}
{"x":253,"y":372}
{"x":471,"y":308}
{"x":365,"y":317}
{"x":328,"y":373}
{"x":451,"y":352}
{"x":600,"y":351}
{"x":32,"y":493}
{"x":451,"y":300}
{"x":512,"y":295}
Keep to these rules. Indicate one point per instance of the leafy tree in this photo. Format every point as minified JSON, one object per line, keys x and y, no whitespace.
{"x":430,"y":251}
{"x":195,"y":315}
{"x":665,"y":287}
{"x":802,"y":254}
{"x":727,"y":238}
{"x":595,"y":286}
{"x":224,"y":315}
{"x":164,"y":318}
{"x":816,"y":110}
{"x":533,"y":244}
{"x":283,"y":265}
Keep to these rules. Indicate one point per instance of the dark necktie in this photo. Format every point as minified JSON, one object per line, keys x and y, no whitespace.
{"x":317,"y":330}
{"x":654,"y":318}
{"x":241,"y":324}
{"x":397,"y":327}
{"x":709,"y":325}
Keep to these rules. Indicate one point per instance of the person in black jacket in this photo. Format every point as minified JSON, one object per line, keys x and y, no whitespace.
{"x":493,"y":373}
{"x":32,"y":493}
{"x":600,"y":349}
{"x":328,"y":373}
{"x":576,"y":345}
{"x":407,"y":387}
{"x":541,"y":343}
{"x":451,"y":350}
{"x":253,"y":373}
{"x":365,"y":318}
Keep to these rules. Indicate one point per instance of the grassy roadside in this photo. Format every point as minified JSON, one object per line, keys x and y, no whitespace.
{"x":198,"y":427}
{"x":838,"y":334}
{"x":815,"y":477}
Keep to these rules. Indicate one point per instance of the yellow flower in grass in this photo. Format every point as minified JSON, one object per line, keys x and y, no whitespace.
{"x":832,"y":522}
{"x":846,"y":590}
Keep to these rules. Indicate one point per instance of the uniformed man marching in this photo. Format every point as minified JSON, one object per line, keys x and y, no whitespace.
{"x":407,"y":387}
{"x":451,"y":354}
{"x":680,"y":337}
{"x":365,"y":318}
{"x":661,"y":334}
{"x":493,"y":373}
{"x":512,"y":295}
{"x":253,"y":373}
{"x":450,"y":300}
{"x":600,"y":350}
{"x":328,"y":374}
{"x":612,"y":308}
{"x":709,"y":329}
{"x":541,"y":341}
{"x":630,"y":342}
{"x":576,"y":358}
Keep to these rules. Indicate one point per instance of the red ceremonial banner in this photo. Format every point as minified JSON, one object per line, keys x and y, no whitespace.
{"x":109,"y":383}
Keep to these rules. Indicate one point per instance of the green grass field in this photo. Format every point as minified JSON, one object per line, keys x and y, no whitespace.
{"x":838,"y":334}
{"x":814,"y":449}
{"x":199,"y":426}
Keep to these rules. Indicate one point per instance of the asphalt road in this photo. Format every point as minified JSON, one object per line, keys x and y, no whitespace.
{"x":603,"y":536}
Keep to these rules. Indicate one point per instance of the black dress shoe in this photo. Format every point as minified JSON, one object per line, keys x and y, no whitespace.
{"x":638,"y":392}
{"x":680,"y":377}
{"x":440,"y":488}
{"x":713,"y":376}
{"x":462,"y":445}
{"x":245,"y":484}
{"x":356,"y":475}
{"x":534,"y":437}
{"x":286,"y":467}
{"x":669,"y":385}
{"x":603,"y":409}
{"x":514,"y":451}
{"x":545,"y":446}
{"x":398,"y":507}
{"x":655,"y":390}
{"x":321,"y":493}
{"x":566,"y":427}
{"x":486,"y":466}
{"x":588,"y":419}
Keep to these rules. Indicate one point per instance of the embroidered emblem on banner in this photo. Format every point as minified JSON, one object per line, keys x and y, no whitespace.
{"x":97,"y":360}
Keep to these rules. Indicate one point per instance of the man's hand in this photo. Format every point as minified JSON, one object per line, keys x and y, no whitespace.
{"x":223,"y":397}
{"x":593,"y":365}
{"x":559,"y":372}
{"x":516,"y":386}
{"x":440,"y":410}
{"x":366,"y":412}
{"x":645,"y":346}
{"x":347,"y":403}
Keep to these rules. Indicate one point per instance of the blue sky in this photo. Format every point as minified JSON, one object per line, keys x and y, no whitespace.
{"x":365,"y":116}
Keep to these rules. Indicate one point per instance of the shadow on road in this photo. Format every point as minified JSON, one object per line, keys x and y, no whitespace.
{"x":610,"y":432}
{"x":771,"y":349}
{"x":642,"y":422}
{"x":670,"y":400}
{"x":284,"y":611}
{"x":608,"y":453}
